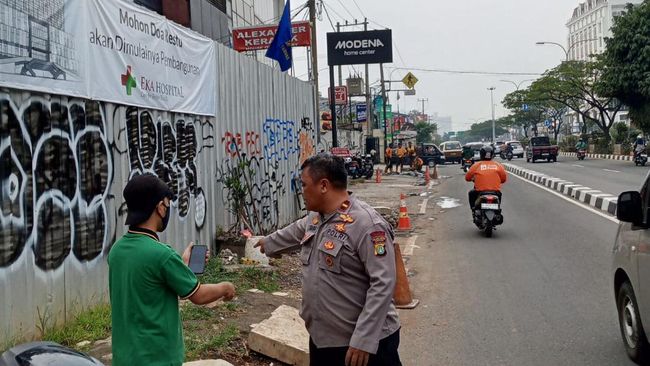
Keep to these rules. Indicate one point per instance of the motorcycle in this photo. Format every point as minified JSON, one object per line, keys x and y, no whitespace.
{"x":467,"y":163}
{"x":368,"y":166}
{"x":487,"y":212}
{"x":46,"y":353}
{"x":509,"y":155}
{"x":582,"y":154}
{"x":640,"y":158}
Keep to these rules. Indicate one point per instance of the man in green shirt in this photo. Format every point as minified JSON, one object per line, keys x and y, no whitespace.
{"x":146,"y":279}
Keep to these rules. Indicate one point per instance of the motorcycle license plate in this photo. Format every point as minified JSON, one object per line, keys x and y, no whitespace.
{"x":644,"y":155}
{"x":544,"y":154}
{"x":490,"y":206}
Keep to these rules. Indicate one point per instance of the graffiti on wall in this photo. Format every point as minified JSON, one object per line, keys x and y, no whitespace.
{"x":55,"y":173}
{"x":168,"y":148}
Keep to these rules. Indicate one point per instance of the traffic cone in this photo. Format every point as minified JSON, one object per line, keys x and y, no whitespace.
{"x":404,"y":223}
{"x":378,"y":176}
{"x":427,"y":177}
{"x":435,"y":172}
{"x":402,"y":294}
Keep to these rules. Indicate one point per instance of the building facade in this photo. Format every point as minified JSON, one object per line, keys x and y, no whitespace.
{"x":590,"y":23}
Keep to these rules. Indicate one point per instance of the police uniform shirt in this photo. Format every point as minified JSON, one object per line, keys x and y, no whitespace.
{"x":348,"y":273}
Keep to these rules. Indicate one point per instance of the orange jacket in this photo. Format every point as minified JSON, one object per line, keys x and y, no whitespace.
{"x":487,"y":175}
{"x":389,"y":152}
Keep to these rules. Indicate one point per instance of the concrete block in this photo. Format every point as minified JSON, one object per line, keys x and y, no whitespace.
{"x":382,"y":210}
{"x":283,"y":337}
{"x":254,"y":253}
{"x":208,"y":363}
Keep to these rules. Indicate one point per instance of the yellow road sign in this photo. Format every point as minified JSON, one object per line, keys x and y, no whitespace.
{"x":410,"y":80}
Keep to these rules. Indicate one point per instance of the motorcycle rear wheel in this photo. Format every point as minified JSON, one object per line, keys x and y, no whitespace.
{"x":488,"y":231}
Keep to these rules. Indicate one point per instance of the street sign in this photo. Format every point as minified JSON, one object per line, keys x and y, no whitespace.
{"x":362,"y":112}
{"x":410,"y":80}
{"x":357,"y":48}
{"x":388,"y":117}
{"x":340,"y":95}
{"x":524,"y":107}
{"x":409,"y":92}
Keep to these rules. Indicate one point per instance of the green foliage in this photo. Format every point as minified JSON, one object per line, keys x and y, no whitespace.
{"x":198,"y":344}
{"x":89,"y":325}
{"x":568,"y":143}
{"x":483,"y":131}
{"x":250,"y":277}
{"x":425,"y":131}
{"x":620,"y":132}
{"x":626,"y":63}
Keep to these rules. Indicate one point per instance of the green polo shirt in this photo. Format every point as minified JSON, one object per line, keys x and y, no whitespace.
{"x":146,"y":278}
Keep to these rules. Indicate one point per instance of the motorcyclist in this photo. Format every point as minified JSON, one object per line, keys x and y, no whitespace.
{"x":487,"y":176}
{"x":509,"y":149}
{"x":639,"y":145}
{"x":581,"y":144}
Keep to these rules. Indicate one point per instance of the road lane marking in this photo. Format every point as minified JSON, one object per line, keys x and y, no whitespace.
{"x":611,"y":171}
{"x":423,"y":206}
{"x":409,"y":245}
{"x":578,"y":165}
{"x":579,"y":204}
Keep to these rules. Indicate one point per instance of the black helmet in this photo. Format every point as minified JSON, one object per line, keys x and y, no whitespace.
{"x":487,"y":153}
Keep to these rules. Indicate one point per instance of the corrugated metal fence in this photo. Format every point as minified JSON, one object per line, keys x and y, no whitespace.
{"x":64,"y":163}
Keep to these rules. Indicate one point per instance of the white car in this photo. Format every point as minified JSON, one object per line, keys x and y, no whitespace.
{"x":517,"y":149}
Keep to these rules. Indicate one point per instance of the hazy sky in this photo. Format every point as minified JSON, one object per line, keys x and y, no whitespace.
{"x":476,"y":35}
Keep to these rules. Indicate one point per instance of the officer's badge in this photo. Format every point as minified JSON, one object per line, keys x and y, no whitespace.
{"x":329,"y":245}
{"x":345,"y":205}
{"x":340,"y":228}
{"x":315,"y":221}
{"x":379,"y":242}
{"x":329,"y":261}
{"x":346,"y":218}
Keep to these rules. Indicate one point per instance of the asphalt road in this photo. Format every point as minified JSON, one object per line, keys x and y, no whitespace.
{"x":609,"y":176}
{"x":537,"y":293}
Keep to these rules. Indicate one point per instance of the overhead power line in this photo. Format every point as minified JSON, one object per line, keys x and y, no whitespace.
{"x":466,"y":72}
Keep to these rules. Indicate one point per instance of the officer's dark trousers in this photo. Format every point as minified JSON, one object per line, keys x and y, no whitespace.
{"x":387,"y":354}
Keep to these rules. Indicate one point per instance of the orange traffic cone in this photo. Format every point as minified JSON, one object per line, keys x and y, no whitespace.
{"x":378,"y":176}
{"x":402,"y":294}
{"x":427,"y":177}
{"x":435,"y":172}
{"x":404,"y":223}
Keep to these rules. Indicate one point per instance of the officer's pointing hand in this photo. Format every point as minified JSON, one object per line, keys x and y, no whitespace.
{"x":356,"y":357}
{"x":260,"y":244}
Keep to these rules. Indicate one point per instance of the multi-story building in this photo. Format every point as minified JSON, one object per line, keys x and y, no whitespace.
{"x":590,"y":23}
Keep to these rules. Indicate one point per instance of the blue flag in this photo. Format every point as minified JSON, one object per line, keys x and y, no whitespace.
{"x":280,"y":48}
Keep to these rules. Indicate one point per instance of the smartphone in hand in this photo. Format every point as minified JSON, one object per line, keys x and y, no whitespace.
{"x":197,"y":258}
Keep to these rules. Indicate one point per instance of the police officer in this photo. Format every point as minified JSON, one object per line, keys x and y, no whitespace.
{"x":348,"y":259}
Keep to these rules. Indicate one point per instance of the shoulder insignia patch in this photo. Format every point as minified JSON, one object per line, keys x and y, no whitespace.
{"x":315,"y":221}
{"x":329,"y":245}
{"x":379,"y":242}
{"x":346,"y":218}
{"x":345,"y":205}
{"x":340,"y":227}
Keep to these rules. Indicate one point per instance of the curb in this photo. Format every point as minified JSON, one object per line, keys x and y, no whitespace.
{"x":600,"y":156}
{"x":592,"y":197}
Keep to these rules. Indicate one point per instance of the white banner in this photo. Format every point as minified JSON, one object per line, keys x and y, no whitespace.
{"x":110,"y":50}
{"x":141,"y":58}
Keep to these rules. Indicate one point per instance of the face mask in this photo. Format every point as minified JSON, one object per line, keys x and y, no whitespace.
{"x":165,"y":220}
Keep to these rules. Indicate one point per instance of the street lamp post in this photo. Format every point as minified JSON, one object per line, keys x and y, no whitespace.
{"x":491,"y":89}
{"x":517,"y":86}
{"x":566,"y":51}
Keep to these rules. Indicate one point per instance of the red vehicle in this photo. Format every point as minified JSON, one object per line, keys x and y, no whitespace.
{"x":540,"y":148}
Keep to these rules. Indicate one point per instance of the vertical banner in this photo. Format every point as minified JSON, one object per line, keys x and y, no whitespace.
{"x":41,"y":46}
{"x":362,"y":111}
{"x":143,"y":59}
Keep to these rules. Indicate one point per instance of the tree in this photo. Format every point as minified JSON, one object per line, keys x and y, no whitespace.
{"x":526,"y":119}
{"x":626,"y":63}
{"x":425,"y":131}
{"x":483,"y":131}
{"x":574,"y":85}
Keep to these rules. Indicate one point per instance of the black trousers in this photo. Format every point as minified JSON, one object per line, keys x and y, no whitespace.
{"x":473,"y":195}
{"x":387,"y":354}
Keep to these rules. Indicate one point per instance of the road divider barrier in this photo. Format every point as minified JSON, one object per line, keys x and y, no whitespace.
{"x":600,"y":200}
{"x":600,"y":156}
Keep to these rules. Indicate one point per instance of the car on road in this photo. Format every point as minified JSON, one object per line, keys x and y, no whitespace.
{"x":430,"y":153}
{"x":453,"y":151}
{"x":499,"y":147}
{"x":476,"y":148}
{"x":540,"y":148}
{"x":517,"y":149}
{"x":631,"y":271}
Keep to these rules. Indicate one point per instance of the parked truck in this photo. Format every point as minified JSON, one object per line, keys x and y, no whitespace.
{"x":540,"y":148}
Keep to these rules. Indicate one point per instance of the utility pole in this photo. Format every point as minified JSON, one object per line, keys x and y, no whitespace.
{"x":314,"y":64}
{"x":368,"y":96}
{"x":383,"y":119}
{"x":491,"y":89}
{"x":423,"y":100}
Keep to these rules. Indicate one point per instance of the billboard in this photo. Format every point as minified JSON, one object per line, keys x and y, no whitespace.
{"x":355,"y":48}
{"x":362,"y":112}
{"x":260,"y":37}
